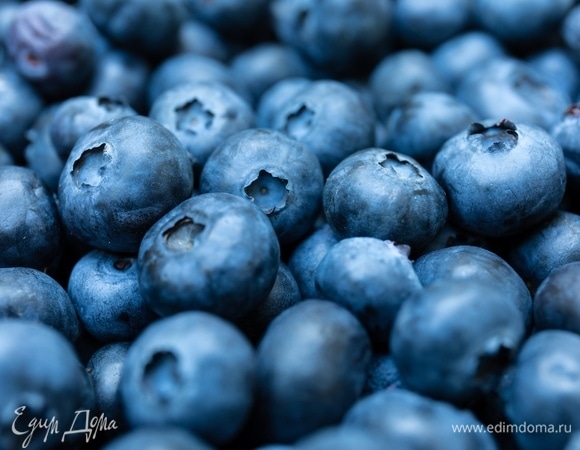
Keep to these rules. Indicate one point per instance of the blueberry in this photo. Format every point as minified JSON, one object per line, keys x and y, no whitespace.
{"x":312,"y":365}
{"x":501,"y":178}
{"x":520,"y":20}
{"x":275,"y":97}
{"x":427,"y":24}
{"x":387,"y":195}
{"x":121,"y":74}
{"x":455,"y":57}
{"x":261,"y":66}
{"x":32,"y":295}
{"x":556,"y":302}
{"x":558,"y":66}
{"x":471,"y":262}
{"x":278,"y":174}
{"x":421,"y":125}
{"x":544,"y":390}
{"x":30,"y":230}
{"x":104,"y":289}
{"x":197,"y":37}
{"x":453,"y":340}
{"x":215,"y":252}
{"x":149,"y":28}
{"x":42,"y":378}
{"x":154,"y":438}
{"x":404,"y":419}
{"x":40,"y":154}
{"x":337,"y":36}
{"x":53,"y":45}
{"x":202,"y":115}
{"x":549,"y":245}
{"x":306,"y":256}
{"x":371,"y":278}
{"x":283,"y":295}
{"x":570,"y":30}
{"x":511,"y":88}
{"x":104,"y":368}
{"x":401,"y":74}
{"x":76,"y":115}
{"x":565,"y":131}
{"x":330,"y":118}
{"x":232,"y":18}
{"x":193,"y":370}
{"x":119,"y":179}
{"x":20,"y":104}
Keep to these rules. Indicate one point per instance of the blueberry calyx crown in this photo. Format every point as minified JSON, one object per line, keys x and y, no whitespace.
{"x":572,"y":110}
{"x":501,"y":136}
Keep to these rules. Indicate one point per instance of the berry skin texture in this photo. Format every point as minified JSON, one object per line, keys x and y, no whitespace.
{"x":501,"y":178}
{"x":119,"y":179}
{"x":387,"y":195}
{"x":214,"y":252}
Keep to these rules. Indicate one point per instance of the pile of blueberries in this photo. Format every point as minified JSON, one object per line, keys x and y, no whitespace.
{"x":290,"y":224}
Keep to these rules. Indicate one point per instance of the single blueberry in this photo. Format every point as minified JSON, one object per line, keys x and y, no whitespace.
{"x":32,"y":295}
{"x":338,"y":36}
{"x":283,"y":295}
{"x":105,"y":291}
{"x":556,"y":302}
{"x":387,"y":195}
{"x":53,"y":45}
{"x":501,"y":178}
{"x":565,"y":131}
{"x":193,"y":370}
{"x":40,"y":154}
{"x":471,"y":262}
{"x":119,"y":179}
{"x":520,"y":20}
{"x":202,"y":115}
{"x":455,"y":338}
{"x":30,"y":230}
{"x":330,"y":118}
{"x":426,"y":24}
{"x":551,"y":244}
{"x":20,"y":104}
{"x":275,"y":97}
{"x":511,"y":88}
{"x":104,"y":368}
{"x":215,"y":252}
{"x":455,"y":57}
{"x":371,"y":278}
{"x":306,"y":256}
{"x":42,"y":381}
{"x":261,"y":66}
{"x":278,"y":174}
{"x":404,"y":419}
{"x":312,"y":365}
{"x":545,"y":390}
{"x":559,"y":67}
